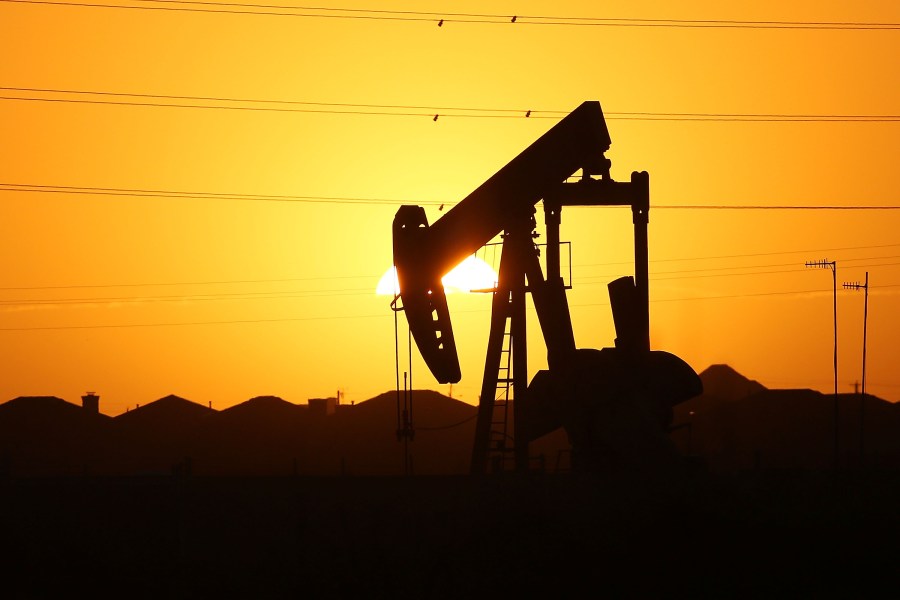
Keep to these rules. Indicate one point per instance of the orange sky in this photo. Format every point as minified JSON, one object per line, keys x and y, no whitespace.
{"x":219,"y":300}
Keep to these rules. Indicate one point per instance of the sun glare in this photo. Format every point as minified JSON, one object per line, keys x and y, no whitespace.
{"x":388,"y":284}
{"x":472,"y":274}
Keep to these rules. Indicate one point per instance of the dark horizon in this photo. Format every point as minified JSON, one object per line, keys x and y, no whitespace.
{"x":736,"y":424}
{"x":737,"y":522}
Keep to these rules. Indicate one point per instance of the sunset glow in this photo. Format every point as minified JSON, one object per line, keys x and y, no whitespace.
{"x":196,"y":199}
{"x":686,"y":384}
{"x":471,"y":275}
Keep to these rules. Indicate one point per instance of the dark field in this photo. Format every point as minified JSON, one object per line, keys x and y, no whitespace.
{"x":757,"y":534}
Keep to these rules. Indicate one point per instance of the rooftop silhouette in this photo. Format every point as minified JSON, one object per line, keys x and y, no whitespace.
{"x":736,"y":424}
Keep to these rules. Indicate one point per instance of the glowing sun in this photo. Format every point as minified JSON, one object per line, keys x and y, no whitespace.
{"x":472,"y":274}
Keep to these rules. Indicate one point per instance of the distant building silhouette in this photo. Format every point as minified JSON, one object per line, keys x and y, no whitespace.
{"x":91,"y":402}
{"x":739,"y":426}
{"x":324,"y":406}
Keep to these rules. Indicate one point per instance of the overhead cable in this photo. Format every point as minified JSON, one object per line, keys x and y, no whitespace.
{"x":441,"y":18}
{"x":199,"y":195}
{"x":404,"y":110}
{"x":344,"y":316}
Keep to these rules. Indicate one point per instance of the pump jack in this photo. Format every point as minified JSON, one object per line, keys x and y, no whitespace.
{"x":615,"y":404}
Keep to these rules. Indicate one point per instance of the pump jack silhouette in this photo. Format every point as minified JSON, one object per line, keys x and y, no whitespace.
{"x":615,"y":403}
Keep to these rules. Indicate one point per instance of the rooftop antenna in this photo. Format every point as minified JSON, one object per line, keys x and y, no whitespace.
{"x":832,"y":264}
{"x":862,"y":401}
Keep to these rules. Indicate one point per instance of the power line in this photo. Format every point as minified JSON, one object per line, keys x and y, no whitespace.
{"x":754,"y":254}
{"x":696,"y":276}
{"x":409,"y":110}
{"x":705,"y":274}
{"x":191,"y":297}
{"x":505,"y":18}
{"x":236,"y":108}
{"x":276,"y":101}
{"x":440,"y":18}
{"x":184,"y":323}
{"x":450,"y":426}
{"x":776,"y":207}
{"x":296,"y":294}
{"x":591,"y":279}
{"x":334,"y":277}
{"x":181,"y":283}
{"x":339,"y":317}
{"x":149,"y":193}
{"x":708,"y":269}
{"x":731,"y":296}
{"x":103,"y":191}
{"x":319,"y":293}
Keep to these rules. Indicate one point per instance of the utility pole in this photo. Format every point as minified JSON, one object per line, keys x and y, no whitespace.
{"x":832,"y":264}
{"x":862,"y":401}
